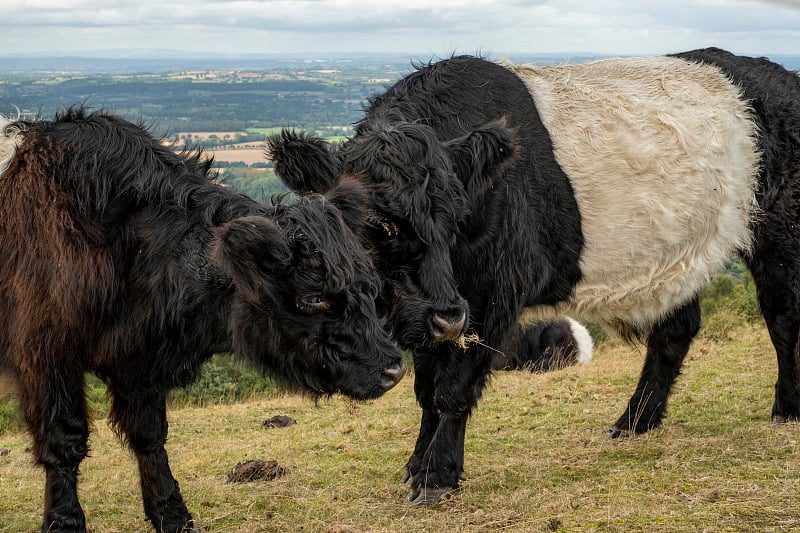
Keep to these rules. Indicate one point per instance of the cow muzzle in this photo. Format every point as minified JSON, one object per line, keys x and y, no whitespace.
{"x":391,"y":376}
{"x":447,"y":326}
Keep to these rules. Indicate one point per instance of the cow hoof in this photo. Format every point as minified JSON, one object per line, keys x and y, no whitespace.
{"x":429,"y":496}
{"x":779,"y":420}
{"x":462,"y":476}
{"x":616,"y":433}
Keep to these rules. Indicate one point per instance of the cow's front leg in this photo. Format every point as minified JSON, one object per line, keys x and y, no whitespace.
{"x":437,"y":464}
{"x":142,"y":419}
{"x":425,"y":365}
{"x":54,"y":407}
{"x":441,"y":466}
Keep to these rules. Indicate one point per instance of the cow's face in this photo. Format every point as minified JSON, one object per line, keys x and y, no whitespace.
{"x":421,"y":191}
{"x":306,"y":292}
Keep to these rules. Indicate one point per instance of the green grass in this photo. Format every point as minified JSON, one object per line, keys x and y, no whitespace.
{"x":536,"y":457}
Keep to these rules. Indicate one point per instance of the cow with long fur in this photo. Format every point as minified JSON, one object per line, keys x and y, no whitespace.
{"x":612,"y":190}
{"x":123,"y":258}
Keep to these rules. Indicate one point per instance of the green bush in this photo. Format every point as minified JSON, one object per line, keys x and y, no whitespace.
{"x":224,"y":379}
{"x":729,"y":301}
{"x":10,"y":419}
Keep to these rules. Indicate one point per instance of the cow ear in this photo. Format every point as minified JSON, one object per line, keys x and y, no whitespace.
{"x":481,"y":156}
{"x":252,"y":251}
{"x":351,"y":198}
{"x":304,"y":163}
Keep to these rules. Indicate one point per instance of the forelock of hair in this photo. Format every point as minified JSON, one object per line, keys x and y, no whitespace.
{"x":316,"y":227}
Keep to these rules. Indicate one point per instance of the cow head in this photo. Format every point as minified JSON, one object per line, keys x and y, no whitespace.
{"x":421,"y":190}
{"x":305,"y":305}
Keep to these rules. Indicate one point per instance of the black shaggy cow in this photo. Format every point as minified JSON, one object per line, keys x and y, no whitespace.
{"x":122,"y":258}
{"x":545,"y":346}
{"x":611,"y":190}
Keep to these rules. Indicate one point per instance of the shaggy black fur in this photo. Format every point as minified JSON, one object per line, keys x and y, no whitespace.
{"x":123,"y":258}
{"x":471,"y":204}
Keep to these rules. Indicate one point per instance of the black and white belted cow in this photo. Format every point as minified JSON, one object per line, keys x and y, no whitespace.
{"x":612,"y":190}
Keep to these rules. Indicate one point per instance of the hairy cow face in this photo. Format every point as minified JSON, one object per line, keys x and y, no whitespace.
{"x":306,"y":308}
{"x":420,"y":192}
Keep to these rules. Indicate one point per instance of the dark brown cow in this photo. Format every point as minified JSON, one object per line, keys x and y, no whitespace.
{"x":122,"y":258}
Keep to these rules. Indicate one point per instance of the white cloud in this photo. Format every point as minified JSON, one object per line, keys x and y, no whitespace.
{"x":408,"y":26}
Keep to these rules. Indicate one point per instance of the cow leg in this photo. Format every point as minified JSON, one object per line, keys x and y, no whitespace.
{"x":54,"y":407}
{"x":667,"y":346}
{"x":780,"y":302}
{"x":142,"y":420}
{"x":425,"y":368}
{"x":437,"y":464}
{"x":783,"y":331}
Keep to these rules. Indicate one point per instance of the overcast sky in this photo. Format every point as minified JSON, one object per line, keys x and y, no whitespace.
{"x":421,"y":28}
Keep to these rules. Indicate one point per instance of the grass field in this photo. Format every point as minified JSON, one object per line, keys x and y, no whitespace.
{"x":536,"y":458}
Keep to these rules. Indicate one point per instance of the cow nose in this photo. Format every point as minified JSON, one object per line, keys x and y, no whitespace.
{"x":445,"y":328}
{"x":392,"y":376}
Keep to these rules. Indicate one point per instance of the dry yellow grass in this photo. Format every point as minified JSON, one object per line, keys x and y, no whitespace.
{"x":536,"y":458}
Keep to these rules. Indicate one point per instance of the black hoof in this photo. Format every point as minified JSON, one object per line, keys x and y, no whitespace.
{"x":779,"y":420}
{"x":407,"y":477}
{"x":616,"y":433}
{"x":429,"y":496}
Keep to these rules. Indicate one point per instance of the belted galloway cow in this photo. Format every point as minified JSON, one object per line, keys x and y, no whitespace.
{"x":545,"y":346}
{"x":611,"y":191}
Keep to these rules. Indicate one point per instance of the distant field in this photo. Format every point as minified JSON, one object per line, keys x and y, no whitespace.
{"x":246,"y":155}
{"x":205,"y":135}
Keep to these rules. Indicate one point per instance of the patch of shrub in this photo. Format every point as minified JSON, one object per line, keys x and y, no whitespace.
{"x":10,"y":419}
{"x":729,"y":301}
{"x":224,"y":379}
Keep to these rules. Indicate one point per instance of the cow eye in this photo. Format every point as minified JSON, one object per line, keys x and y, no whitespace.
{"x":313,"y":303}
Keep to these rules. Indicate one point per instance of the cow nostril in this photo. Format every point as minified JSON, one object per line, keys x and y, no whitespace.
{"x":392,"y":376}
{"x":444,"y":329}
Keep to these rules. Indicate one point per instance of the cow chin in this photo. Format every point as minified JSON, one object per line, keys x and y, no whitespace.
{"x":361,"y":374}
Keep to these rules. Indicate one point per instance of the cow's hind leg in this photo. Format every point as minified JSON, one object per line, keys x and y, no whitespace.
{"x":54,"y":406}
{"x":142,"y":420}
{"x":779,"y":298}
{"x":667,"y":346}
